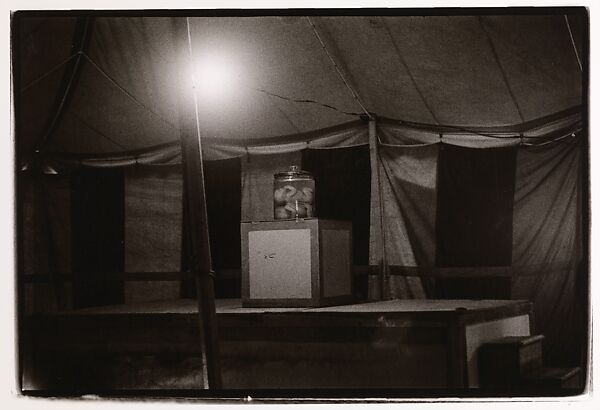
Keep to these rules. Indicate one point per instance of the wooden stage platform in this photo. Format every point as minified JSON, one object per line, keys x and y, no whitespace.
{"x":389,"y":344}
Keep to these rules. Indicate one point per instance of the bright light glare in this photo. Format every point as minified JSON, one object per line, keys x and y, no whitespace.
{"x":216,"y":77}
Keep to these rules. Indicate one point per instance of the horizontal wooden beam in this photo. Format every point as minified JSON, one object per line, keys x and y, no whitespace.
{"x":358,"y":270}
{"x":108,"y":276}
{"x":480,"y":272}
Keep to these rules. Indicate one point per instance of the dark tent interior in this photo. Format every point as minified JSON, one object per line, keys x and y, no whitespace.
{"x":448,"y":247}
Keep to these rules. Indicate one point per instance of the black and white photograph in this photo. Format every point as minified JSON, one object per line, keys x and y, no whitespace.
{"x":301,"y":204}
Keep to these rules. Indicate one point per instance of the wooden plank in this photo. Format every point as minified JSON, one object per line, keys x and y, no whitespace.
{"x":499,"y":312}
{"x":110,"y":276}
{"x":481,"y":271}
{"x":456,"y":354}
{"x":397,"y":343}
{"x":358,"y":270}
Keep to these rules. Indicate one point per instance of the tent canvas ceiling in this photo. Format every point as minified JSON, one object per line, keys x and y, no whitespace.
{"x":468,"y":71}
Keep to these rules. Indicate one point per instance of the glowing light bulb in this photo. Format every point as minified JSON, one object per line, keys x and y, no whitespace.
{"x":216,"y":77}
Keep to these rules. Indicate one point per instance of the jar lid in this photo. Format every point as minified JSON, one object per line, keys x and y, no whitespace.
{"x":294,"y":172}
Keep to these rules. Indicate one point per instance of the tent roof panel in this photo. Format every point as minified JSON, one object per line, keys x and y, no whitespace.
{"x":454,"y":70}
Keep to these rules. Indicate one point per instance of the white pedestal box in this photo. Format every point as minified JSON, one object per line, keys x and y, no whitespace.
{"x":296,"y":263}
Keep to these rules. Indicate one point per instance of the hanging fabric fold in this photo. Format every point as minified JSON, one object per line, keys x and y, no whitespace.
{"x":408,"y":184}
{"x":394,"y":133}
{"x":354,"y":133}
{"x":545,"y":231}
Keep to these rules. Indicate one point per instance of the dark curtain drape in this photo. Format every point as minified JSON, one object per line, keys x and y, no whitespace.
{"x":46,"y":239}
{"x":222,"y":183}
{"x":98,"y":234}
{"x":223,"y":197}
{"x":547,"y":239}
{"x":343,"y":183}
{"x":474,"y":218}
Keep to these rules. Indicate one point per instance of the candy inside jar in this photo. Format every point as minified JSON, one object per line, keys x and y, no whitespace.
{"x":293,"y":194}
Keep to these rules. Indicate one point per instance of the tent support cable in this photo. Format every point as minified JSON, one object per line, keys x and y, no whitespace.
{"x":573,"y":43}
{"x":305,"y":101}
{"x":127,"y":93}
{"x":283,"y":113}
{"x":338,"y":70}
{"x":100,"y":133}
{"x":47,"y":73}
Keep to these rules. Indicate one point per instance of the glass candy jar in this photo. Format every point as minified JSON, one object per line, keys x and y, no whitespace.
{"x":293,"y":194}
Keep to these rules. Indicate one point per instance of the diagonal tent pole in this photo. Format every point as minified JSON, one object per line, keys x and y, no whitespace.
{"x":82,"y":37}
{"x":195,"y":208}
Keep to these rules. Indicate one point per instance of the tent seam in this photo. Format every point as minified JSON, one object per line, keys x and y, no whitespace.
{"x":502,"y":72}
{"x":127,"y":93}
{"x":412,"y":79}
{"x":337,"y":69}
{"x":94,"y":129}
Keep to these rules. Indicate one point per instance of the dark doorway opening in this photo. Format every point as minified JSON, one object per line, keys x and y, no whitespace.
{"x":474,"y":218}
{"x":98,"y":229}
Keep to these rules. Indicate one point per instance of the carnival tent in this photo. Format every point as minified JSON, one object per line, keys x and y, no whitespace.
{"x":424,"y":92}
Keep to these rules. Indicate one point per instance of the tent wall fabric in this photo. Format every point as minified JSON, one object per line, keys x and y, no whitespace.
{"x":47,"y":241}
{"x":547,"y":238}
{"x":153,"y":221}
{"x":408,"y":202}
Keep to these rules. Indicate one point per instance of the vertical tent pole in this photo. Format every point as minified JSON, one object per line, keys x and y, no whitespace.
{"x":19,"y":181}
{"x":195,"y":203}
{"x":378,"y":223}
